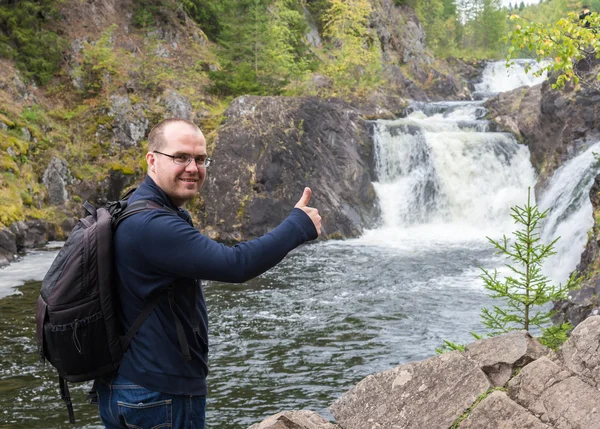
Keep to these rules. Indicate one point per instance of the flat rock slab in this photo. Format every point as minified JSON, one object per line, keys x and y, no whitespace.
{"x":530,"y":384}
{"x":295,"y":420}
{"x":499,"y":356}
{"x":571,"y":404}
{"x":430,"y":394}
{"x":499,"y":412}
{"x":581,"y":352}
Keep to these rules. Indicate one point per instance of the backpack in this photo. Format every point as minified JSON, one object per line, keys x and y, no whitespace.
{"x":77,"y":325}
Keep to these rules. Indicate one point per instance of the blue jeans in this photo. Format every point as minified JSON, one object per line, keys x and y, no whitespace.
{"x":124,"y":404}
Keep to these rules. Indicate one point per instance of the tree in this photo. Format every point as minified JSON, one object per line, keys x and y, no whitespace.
{"x":26,"y":38}
{"x":525,"y":289}
{"x":565,"y":47}
{"x":355,"y":50}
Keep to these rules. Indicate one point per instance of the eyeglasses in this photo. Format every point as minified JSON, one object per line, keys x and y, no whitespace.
{"x":201,"y":161}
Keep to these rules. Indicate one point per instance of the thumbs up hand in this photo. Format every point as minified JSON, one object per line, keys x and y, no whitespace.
{"x":312,"y":213}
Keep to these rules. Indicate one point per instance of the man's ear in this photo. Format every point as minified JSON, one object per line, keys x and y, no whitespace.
{"x":151,"y":161}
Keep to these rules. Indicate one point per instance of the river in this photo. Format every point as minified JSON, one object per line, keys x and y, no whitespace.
{"x":334,"y":312}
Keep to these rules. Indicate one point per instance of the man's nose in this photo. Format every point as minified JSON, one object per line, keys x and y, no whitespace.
{"x":192,"y":166}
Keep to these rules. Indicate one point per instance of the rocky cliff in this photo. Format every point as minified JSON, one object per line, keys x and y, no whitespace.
{"x":510,"y":381}
{"x":269,"y":148}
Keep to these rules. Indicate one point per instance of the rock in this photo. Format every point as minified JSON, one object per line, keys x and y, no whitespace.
{"x":31,"y":234}
{"x":318,"y":82}
{"x":117,"y":181}
{"x":26,"y":134}
{"x":21,"y":88}
{"x":499,"y":412}
{"x":8,"y":246}
{"x":431,"y":394}
{"x":570,"y":404}
{"x":295,"y":420}
{"x":3,"y":126}
{"x":129,"y":124}
{"x":56,"y":177}
{"x":581,"y":352}
{"x":270,"y":148}
{"x":499,"y":356}
{"x":534,"y":379}
{"x":178,"y":106}
{"x":582,"y":302}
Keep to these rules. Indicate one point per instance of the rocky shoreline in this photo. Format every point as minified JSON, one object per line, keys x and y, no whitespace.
{"x":509,"y":381}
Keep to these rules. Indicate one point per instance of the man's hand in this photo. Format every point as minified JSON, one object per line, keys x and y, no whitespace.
{"x":312,"y":213}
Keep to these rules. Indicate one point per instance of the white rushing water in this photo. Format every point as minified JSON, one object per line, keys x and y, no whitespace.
{"x":441,"y":178}
{"x":570,"y":215}
{"x":497,"y":77}
{"x":31,"y":267}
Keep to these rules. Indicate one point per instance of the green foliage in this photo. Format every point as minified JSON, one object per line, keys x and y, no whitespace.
{"x":99,"y":64}
{"x":355,"y":52}
{"x":24,"y":37}
{"x":449,"y":346}
{"x":468,"y":411}
{"x":563,"y":46}
{"x":526,"y":288}
{"x":205,"y":13}
{"x":262,"y":47}
{"x":464,"y":28}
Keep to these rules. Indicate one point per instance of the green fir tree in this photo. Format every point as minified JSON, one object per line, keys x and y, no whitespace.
{"x":525,"y":289}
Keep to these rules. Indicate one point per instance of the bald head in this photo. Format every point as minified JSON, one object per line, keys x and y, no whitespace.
{"x":157,"y":139}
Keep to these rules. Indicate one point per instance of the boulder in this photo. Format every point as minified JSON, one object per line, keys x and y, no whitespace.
{"x":499,"y":356}
{"x":581,"y":352}
{"x":129,"y":123}
{"x":31,"y":234}
{"x":431,"y":394}
{"x":270,"y":148}
{"x":570,"y":404}
{"x":499,"y":412}
{"x":55,"y":178}
{"x":8,"y":246}
{"x":533,"y":380}
{"x":295,"y":420}
{"x":177,"y":106}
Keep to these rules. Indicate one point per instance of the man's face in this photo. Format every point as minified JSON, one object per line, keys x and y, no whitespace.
{"x":180,"y":182}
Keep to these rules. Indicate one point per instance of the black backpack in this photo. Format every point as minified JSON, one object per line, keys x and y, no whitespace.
{"x":78,"y":328}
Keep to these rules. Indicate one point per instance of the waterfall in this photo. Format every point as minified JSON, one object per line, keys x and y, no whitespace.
{"x":441,"y":174}
{"x":570,"y":212}
{"x":497,"y":78}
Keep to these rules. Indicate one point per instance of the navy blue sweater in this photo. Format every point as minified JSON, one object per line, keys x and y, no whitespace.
{"x":157,"y":248}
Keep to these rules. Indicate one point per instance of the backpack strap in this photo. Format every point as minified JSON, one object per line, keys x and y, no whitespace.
{"x":183,"y":342}
{"x":66,"y":396}
{"x":149,"y":308}
{"x":129,"y":210}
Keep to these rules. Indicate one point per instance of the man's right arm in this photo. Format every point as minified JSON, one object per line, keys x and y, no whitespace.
{"x":181,"y":250}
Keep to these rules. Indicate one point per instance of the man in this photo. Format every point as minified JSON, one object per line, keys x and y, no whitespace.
{"x":585,"y":12}
{"x":159,"y":254}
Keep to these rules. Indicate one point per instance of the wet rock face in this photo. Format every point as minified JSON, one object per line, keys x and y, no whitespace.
{"x":8,"y":246}
{"x":56,"y":177}
{"x":552,"y":123}
{"x":270,"y":148}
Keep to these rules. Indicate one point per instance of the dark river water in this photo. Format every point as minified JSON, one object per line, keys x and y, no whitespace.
{"x":297,"y":337}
